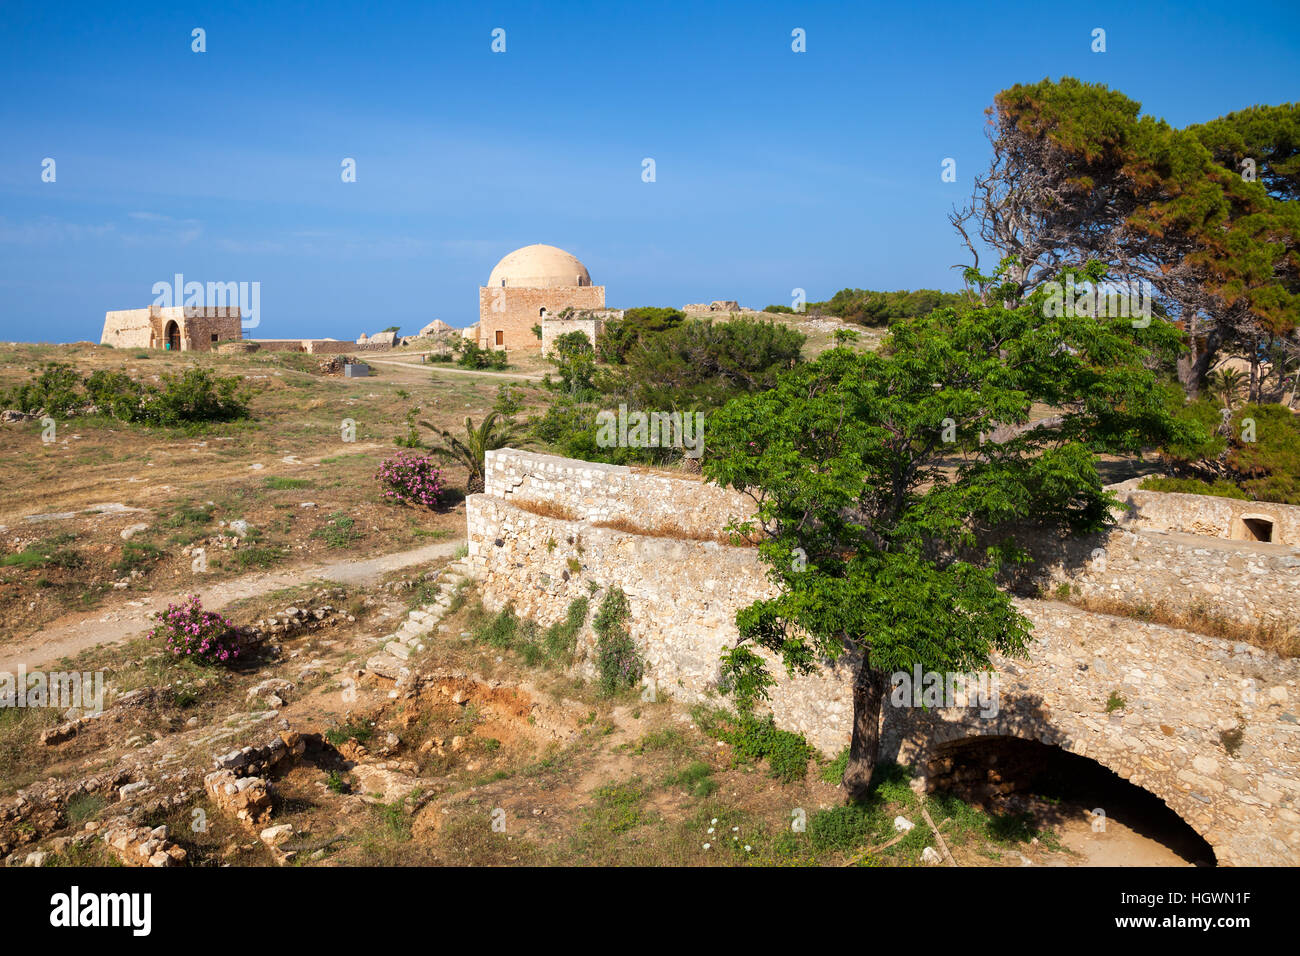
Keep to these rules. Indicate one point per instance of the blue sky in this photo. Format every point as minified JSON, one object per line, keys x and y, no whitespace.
{"x":775,"y":170}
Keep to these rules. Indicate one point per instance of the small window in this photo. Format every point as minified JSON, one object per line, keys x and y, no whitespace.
{"x":501,"y":337}
{"x":215,"y":337}
{"x":1258,"y":529}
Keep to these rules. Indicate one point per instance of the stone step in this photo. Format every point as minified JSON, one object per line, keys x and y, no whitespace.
{"x":385,"y":665}
{"x":398,"y":649}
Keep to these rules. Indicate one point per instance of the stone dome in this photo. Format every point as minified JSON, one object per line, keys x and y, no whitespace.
{"x":539,"y":267}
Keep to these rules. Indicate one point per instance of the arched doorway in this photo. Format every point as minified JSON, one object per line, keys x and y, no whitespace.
{"x":172,"y":336}
{"x":1098,"y":816}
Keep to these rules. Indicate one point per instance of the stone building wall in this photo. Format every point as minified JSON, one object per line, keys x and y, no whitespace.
{"x":1207,"y":515}
{"x":534,"y":541}
{"x":200,"y":330}
{"x":128,"y":329}
{"x":514,"y":311}
{"x":589,"y":324}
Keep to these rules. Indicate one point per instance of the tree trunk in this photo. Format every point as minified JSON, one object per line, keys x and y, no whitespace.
{"x":1193,"y":365}
{"x":864,"y":750}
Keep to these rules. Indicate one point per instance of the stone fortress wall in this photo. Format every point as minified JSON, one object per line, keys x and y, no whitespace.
{"x":547,"y":530}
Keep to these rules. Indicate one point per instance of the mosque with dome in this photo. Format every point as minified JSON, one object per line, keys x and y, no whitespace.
{"x":539,"y":286}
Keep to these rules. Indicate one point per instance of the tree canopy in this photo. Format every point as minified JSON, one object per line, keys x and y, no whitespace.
{"x":873,"y":484}
{"x":1078,"y":174}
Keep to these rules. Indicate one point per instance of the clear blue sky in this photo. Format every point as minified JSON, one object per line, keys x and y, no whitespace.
{"x":774,"y":169}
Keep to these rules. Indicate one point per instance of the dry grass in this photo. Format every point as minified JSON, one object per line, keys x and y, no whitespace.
{"x":666,"y":529}
{"x":187,"y":484}
{"x":1282,"y":639}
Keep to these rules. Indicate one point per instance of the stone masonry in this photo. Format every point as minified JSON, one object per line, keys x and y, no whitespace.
{"x":1209,"y":727}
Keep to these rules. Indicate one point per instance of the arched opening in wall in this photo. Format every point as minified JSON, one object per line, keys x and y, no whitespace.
{"x":173,"y":335}
{"x":1099,"y":818}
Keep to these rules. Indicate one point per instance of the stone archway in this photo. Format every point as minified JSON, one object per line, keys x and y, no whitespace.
{"x":921,"y":738}
{"x":172,"y":336}
{"x":1092,"y":805}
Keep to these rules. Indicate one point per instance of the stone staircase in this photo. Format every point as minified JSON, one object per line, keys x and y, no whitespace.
{"x":392,"y":662}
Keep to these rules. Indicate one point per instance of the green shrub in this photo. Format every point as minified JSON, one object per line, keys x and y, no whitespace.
{"x":471,"y":356}
{"x":115,"y":393}
{"x":55,"y":391}
{"x":341,"y":734}
{"x":833,"y":772}
{"x":1266,"y":468}
{"x":1193,"y":486}
{"x":618,"y":663}
{"x":787,"y":753}
{"x":195,"y":396}
{"x":841,"y":828}
{"x":501,"y":629}
{"x":561,"y":638}
{"x":758,"y":738}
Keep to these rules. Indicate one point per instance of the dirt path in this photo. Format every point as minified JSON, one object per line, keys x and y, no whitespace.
{"x":72,"y":634}
{"x":423,"y":370}
{"x":1118,"y":845}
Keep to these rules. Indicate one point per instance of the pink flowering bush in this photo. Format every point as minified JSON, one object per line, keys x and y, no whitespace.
{"x":411,"y":478}
{"x":190,"y":631}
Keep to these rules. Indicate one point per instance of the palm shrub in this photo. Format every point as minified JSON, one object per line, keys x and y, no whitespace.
{"x":490,"y":434}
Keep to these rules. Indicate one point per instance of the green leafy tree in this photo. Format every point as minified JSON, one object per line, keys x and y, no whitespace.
{"x":575,"y":360}
{"x":876,"y":495}
{"x":471,"y":451}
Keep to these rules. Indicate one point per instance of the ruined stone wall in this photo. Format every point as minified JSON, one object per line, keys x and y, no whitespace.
{"x":1207,"y":515}
{"x":614,"y":494}
{"x":514,"y":311}
{"x":1208,"y":726}
{"x":320,"y":346}
{"x":683,"y":596}
{"x":1245,"y":582}
{"x":553,"y":328}
{"x":589,"y":324}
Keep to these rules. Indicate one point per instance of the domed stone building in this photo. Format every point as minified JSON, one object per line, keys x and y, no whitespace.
{"x":528,"y":285}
